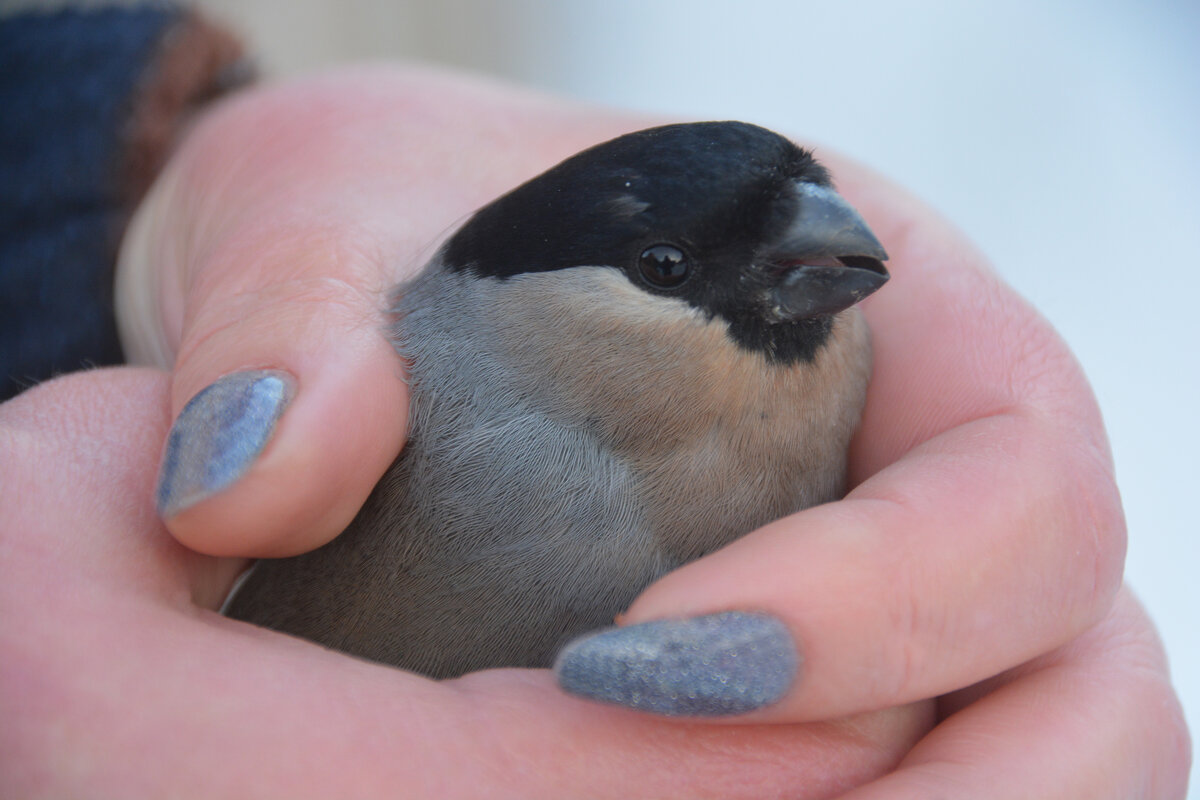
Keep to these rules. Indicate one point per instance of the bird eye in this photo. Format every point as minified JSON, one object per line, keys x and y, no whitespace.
{"x":663,"y":266}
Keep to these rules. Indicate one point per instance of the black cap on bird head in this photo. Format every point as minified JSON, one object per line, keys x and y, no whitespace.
{"x":732,"y":218}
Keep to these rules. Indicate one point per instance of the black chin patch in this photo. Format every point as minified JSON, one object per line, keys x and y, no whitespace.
{"x":784,"y":343}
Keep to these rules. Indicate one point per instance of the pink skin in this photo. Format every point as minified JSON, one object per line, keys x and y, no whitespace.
{"x":984,"y":536}
{"x":117,"y":682}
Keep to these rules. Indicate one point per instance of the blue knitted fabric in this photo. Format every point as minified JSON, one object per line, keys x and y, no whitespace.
{"x":66,"y":80}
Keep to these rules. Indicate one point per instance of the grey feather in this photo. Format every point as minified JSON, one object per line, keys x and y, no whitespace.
{"x":572,"y":438}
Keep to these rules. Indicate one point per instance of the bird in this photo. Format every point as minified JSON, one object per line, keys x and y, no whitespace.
{"x":621,"y":365}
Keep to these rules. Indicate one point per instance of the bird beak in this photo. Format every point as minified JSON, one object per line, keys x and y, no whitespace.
{"x":826,"y":261}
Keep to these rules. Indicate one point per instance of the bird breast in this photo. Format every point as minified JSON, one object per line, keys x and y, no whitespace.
{"x":720,"y":439}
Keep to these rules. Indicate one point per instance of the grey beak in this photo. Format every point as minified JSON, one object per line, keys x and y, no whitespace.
{"x":830,"y":260}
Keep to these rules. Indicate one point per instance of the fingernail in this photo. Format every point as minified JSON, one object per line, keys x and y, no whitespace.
{"x":710,"y":666}
{"x":219,"y":434}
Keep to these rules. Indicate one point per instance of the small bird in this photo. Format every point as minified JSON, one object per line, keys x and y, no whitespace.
{"x":619,"y":366}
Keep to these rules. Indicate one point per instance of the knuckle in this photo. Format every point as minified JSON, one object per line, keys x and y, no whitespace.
{"x":917,"y":629}
{"x":302,"y":307}
{"x":1095,"y":528}
{"x":1176,"y":750}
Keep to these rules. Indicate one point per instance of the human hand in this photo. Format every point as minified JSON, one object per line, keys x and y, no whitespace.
{"x":965,"y":550}
{"x":116,"y":682}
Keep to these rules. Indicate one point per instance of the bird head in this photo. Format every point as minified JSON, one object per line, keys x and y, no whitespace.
{"x":731,"y":218}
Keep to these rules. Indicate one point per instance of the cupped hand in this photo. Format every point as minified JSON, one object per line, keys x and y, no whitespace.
{"x":117,"y":681}
{"x":984,"y":528}
{"x":984,"y":531}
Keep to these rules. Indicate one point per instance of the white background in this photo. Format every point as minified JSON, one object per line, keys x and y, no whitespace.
{"x":1062,"y":136}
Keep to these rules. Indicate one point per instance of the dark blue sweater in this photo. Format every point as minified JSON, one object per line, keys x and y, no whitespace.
{"x":69,"y":84}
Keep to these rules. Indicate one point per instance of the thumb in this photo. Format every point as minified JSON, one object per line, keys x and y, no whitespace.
{"x":289,"y":401}
{"x":290,"y":404}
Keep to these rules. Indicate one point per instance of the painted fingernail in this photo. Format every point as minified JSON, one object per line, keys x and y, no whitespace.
{"x":710,"y":666}
{"x":219,"y":434}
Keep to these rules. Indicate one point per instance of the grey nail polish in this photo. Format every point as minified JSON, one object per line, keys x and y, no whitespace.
{"x":710,"y":666}
{"x":219,"y":434}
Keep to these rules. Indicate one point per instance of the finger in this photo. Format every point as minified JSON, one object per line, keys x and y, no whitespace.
{"x":117,"y":686}
{"x":1098,"y":719}
{"x":204,"y":704}
{"x":986,"y":528}
{"x":259,"y":267}
{"x":275,"y":316}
